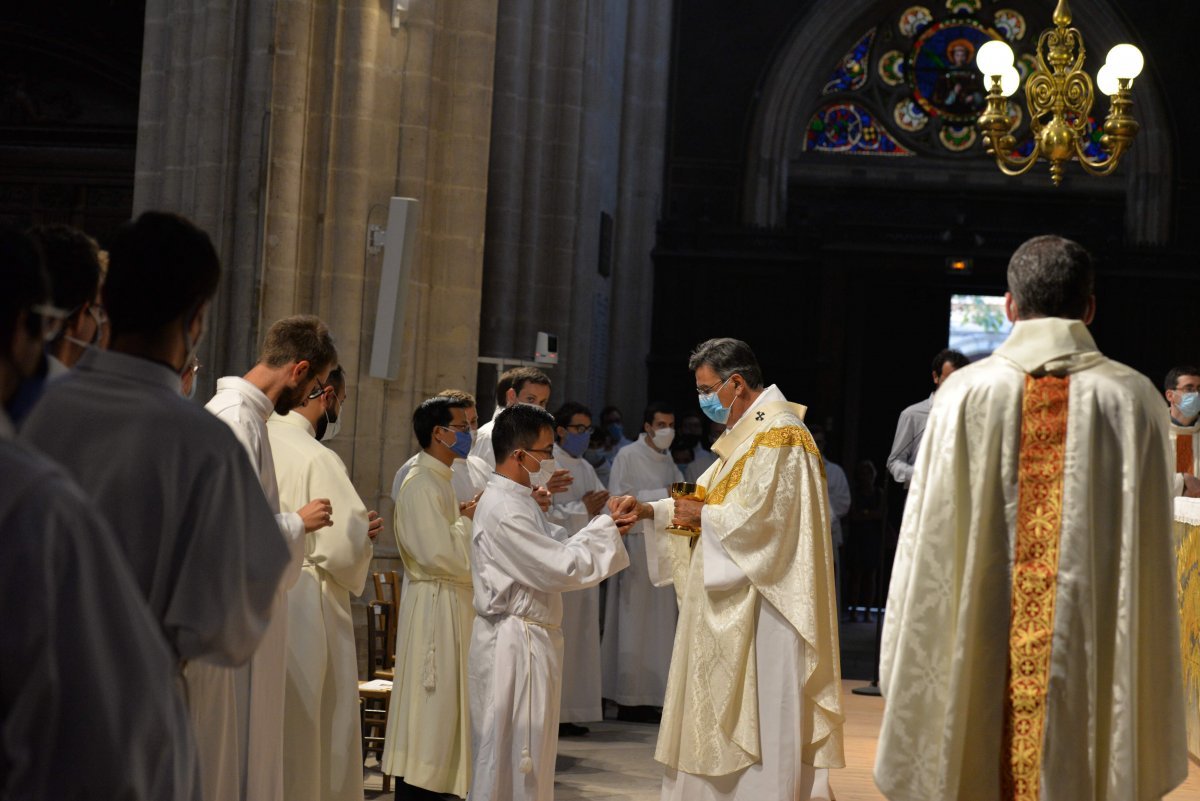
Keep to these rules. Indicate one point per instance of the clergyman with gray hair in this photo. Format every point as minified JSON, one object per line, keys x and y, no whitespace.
{"x":753,"y":702}
{"x":1032,"y":632}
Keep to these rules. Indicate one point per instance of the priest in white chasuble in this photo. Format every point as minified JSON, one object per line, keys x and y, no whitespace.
{"x":1182,"y":389}
{"x":753,"y":705}
{"x":428,"y":740}
{"x":585,"y":498}
{"x":177,"y":489}
{"x":294,"y":364}
{"x":520,"y":566}
{"x":322,"y":739}
{"x":640,"y":618}
{"x":1031,"y":644}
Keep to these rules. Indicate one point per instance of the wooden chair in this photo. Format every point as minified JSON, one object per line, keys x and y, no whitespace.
{"x":375,"y":694}
{"x":387,"y":591}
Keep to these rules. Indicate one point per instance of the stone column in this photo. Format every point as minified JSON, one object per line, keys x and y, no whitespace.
{"x":345,"y":112}
{"x":578,"y":129}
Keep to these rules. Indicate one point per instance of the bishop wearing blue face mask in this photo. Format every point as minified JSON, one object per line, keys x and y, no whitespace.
{"x":753,"y":699}
{"x":1182,"y":388}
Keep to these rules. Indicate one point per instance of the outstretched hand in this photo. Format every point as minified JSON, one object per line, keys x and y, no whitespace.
{"x":542,"y":496}
{"x":374,"y":524}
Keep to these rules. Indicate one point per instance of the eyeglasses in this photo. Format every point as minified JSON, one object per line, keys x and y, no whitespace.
{"x":51,"y":317}
{"x":1188,"y":388}
{"x":711,"y":390}
{"x":194,"y":368}
{"x":580,"y":428}
{"x":547,"y":451}
{"x":319,"y":391}
{"x":464,"y":427}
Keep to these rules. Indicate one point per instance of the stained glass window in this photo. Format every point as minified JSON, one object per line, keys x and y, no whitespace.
{"x":909,"y":85}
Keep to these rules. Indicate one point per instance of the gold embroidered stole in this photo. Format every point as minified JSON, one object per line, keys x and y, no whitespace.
{"x":1034,"y":582}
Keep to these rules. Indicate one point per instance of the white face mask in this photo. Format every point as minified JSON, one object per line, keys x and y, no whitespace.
{"x":541,"y":476}
{"x":662,"y":438}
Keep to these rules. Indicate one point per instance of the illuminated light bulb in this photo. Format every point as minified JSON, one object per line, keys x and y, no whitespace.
{"x":1126,"y":61}
{"x":1010,"y":81}
{"x":994,"y":57}
{"x":1106,"y":81}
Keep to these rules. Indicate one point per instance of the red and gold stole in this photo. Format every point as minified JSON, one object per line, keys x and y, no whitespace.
{"x":1034,"y":582}
{"x":1184,"y":457}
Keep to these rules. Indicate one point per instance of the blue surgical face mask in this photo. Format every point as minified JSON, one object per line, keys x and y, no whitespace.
{"x":462,"y":443}
{"x":616,"y":432}
{"x":576,"y":443}
{"x":710,"y":404}
{"x":1189,"y":404}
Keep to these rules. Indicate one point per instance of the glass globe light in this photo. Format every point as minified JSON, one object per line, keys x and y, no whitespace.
{"x":994,"y":57}
{"x":1010,"y":81}
{"x":1106,"y":80}
{"x":1126,"y":61}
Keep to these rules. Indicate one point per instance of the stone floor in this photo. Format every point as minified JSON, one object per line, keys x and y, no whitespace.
{"x":616,"y":761}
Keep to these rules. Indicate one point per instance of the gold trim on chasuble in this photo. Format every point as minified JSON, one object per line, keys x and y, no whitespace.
{"x":784,"y":437}
{"x":1034,"y":583}
{"x":1184,"y":458}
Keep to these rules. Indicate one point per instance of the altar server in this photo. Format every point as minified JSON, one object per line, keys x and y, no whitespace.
{"x":468,"y":473}
{"x":519,"y":385}
{"x":520,"y":565}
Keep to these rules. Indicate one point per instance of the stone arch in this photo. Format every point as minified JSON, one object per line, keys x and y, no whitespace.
{"x":819,"y":37}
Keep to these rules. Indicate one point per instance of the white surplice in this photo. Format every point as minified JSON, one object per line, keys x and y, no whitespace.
{"x":639,"y":618}
{"x":87,"y":674}
{"x":520,"y":565}
{"x":753,"y":706}
{"x":482,"y":447}
{"x":187,"y":510}
{"x":1114,"y":727}
{"x":702,"y":459}
{"x":260,"y":684}
{"x":322,"y":739}
{"x":581,"y":609}
{"x":428,"y":732}
{"x":468,"y":476}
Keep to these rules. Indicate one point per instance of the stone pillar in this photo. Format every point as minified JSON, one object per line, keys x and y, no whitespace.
{"x":578,"y":129}
{"x":345,"y":112}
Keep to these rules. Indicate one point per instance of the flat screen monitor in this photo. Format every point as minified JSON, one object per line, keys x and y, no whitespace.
{"x":977,"y":324}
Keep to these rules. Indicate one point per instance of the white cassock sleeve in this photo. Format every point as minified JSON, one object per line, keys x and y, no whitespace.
{"x":522,"y":552}
{"x":343,"y":550}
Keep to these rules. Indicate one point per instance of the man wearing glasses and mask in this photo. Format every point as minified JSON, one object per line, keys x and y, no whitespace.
{"x":1182,"y":388}
{"x":294,"y":365}
{"x":322,"y":755}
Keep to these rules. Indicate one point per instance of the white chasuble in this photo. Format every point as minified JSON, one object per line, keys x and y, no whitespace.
{"x":428,"y":732}
{"x":753,"y":704}
{"x":322,"y":739}
{"x":1185,"y":452}
{"x":260,"y":684}
{"x":639,"y":618}
{"x":1031,"y":644}
{"x":188,"y":511}
{"x":520,"y":565}
{"x":581,"y":609}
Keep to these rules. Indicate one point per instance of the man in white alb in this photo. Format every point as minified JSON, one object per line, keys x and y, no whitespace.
{"x":572,"y":510}
{"x":177,"y":489}
{"x":518,"y":385}
{"x":520,"y":565}
{"x":322,"y":741}
{"x":639,"y":618}
{"x":469,"y":474}
{"x":1182,"y":389}
{"x":428,"y":741}
{"x":293,"y":366}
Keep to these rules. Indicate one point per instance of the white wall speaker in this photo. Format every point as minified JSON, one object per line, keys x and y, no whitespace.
{"x":399,"y":245}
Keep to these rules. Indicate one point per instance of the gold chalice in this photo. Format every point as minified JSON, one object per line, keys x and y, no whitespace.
{"x":683,"y":490}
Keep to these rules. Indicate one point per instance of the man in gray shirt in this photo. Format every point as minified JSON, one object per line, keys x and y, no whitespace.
{"x":912,"y":420}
